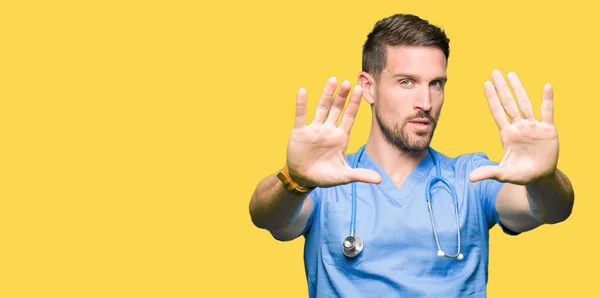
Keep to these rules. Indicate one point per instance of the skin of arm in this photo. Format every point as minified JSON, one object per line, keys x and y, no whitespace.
{"x":547,"y":200}
{"x":274,"y":208}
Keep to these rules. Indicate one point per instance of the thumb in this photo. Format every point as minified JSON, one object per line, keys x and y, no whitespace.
{"x":364,"y":175}
{"x":484,"y":172}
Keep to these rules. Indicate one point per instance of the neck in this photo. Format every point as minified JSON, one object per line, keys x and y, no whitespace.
{"x":397,"y":164}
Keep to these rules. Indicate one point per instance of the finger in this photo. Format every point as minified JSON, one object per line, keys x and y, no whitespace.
{"x":495,"y":106}
{"x":506,"y":99}
{"x":484,"y":172}
{"x":522,"y":98}
{"x":351,"y":110}
{"x":301,"y":108}
{"x":547,"y":110}
{"x":325,"y":100}
{"x":363,"y":175}
{"x":338,"y":103}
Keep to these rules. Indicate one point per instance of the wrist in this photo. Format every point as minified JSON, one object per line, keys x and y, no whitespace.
{"x":550,"y":178}
{"x":302,"y":182}
{"x":292,"y":184}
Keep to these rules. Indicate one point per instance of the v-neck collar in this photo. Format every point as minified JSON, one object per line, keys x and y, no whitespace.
{"x":387,"y":185}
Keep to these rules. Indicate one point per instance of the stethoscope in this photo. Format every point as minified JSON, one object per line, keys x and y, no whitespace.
{"x":353,"y":245}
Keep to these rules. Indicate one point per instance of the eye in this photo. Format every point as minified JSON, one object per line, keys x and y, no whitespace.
{"x":437,"y":84}
{"x":406,"y":82}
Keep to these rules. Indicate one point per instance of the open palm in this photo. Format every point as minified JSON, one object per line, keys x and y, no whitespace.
{"x":530,"y":146}
{"x":316,"y":152}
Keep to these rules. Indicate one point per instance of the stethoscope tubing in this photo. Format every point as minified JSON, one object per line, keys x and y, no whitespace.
{"x":430,"y":183}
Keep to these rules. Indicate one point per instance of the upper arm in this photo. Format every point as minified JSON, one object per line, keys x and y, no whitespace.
{"x":301,"y":223}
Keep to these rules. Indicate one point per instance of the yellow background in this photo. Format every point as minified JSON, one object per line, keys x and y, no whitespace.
{"x":132,"y":134}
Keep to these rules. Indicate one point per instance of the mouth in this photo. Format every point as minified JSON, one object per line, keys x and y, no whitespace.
{"x":421,"y":125}
{"x":420,"y":121}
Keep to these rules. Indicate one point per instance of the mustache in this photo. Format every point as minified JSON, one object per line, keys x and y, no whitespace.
{"x":422,"y":114}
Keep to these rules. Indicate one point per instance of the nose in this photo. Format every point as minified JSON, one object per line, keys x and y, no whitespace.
{"x":423,"y":101}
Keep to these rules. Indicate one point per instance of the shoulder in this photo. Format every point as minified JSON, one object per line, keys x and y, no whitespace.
{"x":462,"y":165}
{"x":484,"y":191}
{"x":467,"y":161}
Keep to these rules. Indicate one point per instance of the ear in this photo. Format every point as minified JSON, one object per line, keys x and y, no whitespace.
{"x":367,"y":83}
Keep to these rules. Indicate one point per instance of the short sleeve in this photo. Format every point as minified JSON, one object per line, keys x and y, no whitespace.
{"x":315,"y":197}
{"x":487,"y":190}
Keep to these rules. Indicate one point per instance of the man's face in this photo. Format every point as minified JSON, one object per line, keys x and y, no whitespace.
{"x":409,"y":95}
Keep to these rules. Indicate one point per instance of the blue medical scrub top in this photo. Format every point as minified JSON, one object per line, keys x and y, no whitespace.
{"x":400,"y":258}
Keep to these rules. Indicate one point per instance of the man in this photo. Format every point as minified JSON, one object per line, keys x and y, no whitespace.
{"x":408,"y":250}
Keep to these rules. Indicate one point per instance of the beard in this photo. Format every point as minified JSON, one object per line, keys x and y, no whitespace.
{"x":399,"y":137}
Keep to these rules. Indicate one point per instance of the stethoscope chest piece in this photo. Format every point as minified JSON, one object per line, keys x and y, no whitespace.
{"x":352,"y":246}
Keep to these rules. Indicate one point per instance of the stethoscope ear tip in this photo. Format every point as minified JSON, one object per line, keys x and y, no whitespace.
{"x":442,"y":254}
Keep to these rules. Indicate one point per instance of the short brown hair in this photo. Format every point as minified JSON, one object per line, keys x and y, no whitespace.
{"x":400,"y":30}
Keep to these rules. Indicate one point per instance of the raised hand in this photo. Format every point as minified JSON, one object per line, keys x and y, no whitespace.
{"x":316,"y":152}
{"x":530,"y":146}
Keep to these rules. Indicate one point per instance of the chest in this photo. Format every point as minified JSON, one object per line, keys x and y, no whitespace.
{"x":401,"y":231}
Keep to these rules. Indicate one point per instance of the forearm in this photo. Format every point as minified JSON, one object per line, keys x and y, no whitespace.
{"x":551,"y":198}
{"x":272,"y":206}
